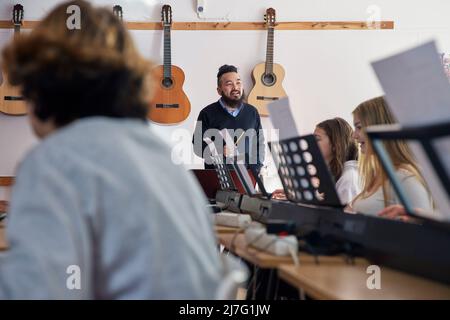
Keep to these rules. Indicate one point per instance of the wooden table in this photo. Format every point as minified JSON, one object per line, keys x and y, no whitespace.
{"x":334,"y":277}
{"x":348,"y":282}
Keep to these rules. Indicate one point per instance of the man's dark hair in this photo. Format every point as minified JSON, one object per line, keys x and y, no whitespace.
{"x":225,"y":69}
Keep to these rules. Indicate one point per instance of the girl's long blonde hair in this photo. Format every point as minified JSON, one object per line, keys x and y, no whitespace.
{"x":374,"y":112}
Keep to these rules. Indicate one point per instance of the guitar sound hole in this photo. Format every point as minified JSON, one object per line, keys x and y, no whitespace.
{"x":167,"y":82}
{"x":269,"y":79}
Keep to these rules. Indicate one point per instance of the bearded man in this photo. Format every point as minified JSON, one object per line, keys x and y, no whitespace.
{"x":230,"y":113}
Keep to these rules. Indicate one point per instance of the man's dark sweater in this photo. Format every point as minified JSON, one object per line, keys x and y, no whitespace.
{"x":215,"y":116}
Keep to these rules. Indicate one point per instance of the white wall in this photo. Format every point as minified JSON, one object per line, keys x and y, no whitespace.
{"x":327,"y":72}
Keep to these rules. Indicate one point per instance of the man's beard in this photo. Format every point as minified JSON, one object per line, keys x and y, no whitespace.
{"x":233,"y":103}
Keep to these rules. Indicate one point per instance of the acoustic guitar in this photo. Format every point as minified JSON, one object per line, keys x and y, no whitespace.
{"x":11,"y":100}
{"x":169,"y":105}
{"x":267,"y":76}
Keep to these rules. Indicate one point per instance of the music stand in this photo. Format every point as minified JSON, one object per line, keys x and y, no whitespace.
{"x":248,"y":183}
{"x":425,"y":135}
{"x":223,"y":173}
{"x":303,"y":172}
{"x":244,"y":178}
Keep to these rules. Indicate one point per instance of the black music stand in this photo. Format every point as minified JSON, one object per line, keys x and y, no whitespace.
{"x":425,"y":135}
{"x":228,"y":194}
{"x":223,"y":174}
{"x":303,"y":172}
{"x":244,"y":178}
{"x":247,"y":182}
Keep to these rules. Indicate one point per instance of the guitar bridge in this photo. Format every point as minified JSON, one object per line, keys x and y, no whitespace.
{"x":166,"y":105}
{"x":13,"y":98}
{"x":267,"y":98}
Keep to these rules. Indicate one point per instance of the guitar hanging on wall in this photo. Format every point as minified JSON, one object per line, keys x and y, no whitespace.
{"x":267,"y":76}
{"x":11,"y":100}
{"x":169,"y":105}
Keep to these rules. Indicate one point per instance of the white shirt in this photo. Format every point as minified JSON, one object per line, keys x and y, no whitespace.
{"x":348,"y":186}
{"x":412,"y":187}
{"x":103,"y":195}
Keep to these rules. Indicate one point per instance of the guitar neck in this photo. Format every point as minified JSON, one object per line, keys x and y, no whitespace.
{"x":167,"y":53}
{"x":16,"y":29}
{"x":269,"y":51}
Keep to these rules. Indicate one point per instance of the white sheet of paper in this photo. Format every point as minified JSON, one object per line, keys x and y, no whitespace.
{"x":211,"y":146}
{"x":418,"y":93}
{"x":282,"y":119}
{"x":443,"y":145}
{"x":434,"y":183}
{"x":415,"y":85}
{"x":247,"y":180}
{"x":227,"y":137}
{"x":232,"y":150}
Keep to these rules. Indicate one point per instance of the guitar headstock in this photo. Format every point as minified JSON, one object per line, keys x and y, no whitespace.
{"x":118,"y":12}
{"x":18,"y":15}
{"x":166,"y":15}
{"x":269,"y":18}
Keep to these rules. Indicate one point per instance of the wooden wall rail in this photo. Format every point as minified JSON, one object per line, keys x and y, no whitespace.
{"x":6,"y":181}
{"x":307,"y":25}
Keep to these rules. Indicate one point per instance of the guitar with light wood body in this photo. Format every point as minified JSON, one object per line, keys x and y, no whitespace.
{"x":267,"y":76}
{"x":169,"y":105}
{"x":11,"y":100}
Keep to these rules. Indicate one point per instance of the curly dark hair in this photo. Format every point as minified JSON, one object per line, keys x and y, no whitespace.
{"x":225,"y":69}
{"x":70,"y":74}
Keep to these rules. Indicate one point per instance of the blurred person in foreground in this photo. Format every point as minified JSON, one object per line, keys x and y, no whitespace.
{"x":98,"y":210}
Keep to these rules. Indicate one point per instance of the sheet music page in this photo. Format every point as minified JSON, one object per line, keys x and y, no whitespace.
{"x":282,"y":119}
{"x":211,"y":146}
{"x":416,"y":88}
{"x":418,"y":93}
{"x":231,"y":148}
{"x":246,"y":177}
{"x":442,"y":145}
{"x":434,"y":183}
{"x":227,"y":137}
